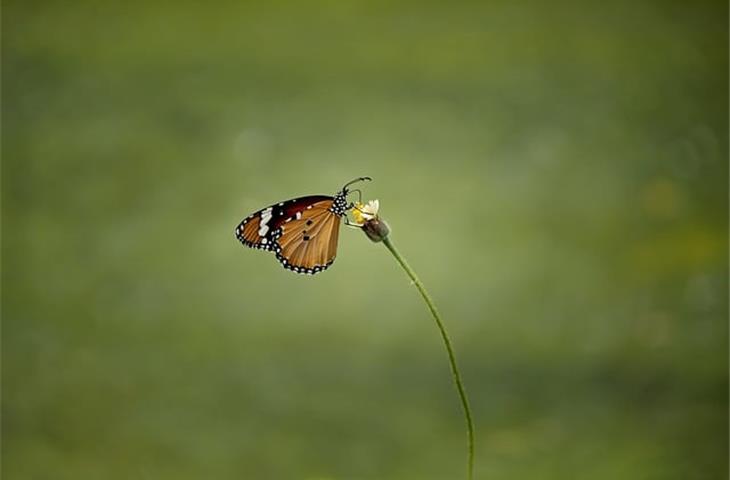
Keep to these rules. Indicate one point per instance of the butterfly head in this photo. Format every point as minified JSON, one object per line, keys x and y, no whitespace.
{"x":340,"y":203}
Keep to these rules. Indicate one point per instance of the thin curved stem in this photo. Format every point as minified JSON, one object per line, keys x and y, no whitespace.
{"x":449,"y":349}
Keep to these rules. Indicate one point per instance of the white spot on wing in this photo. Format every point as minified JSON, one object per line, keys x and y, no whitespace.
{"x":263,"y":225}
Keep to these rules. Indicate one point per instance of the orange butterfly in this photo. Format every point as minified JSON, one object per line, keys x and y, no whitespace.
{"x":302,"y":232}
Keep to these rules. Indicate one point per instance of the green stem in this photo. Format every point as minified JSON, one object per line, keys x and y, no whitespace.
{"x":449,"y":349}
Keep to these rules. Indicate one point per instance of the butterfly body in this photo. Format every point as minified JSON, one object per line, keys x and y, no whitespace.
{"x":301,"y":232}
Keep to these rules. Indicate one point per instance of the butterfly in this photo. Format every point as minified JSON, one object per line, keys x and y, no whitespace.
{"x":301,"y":232}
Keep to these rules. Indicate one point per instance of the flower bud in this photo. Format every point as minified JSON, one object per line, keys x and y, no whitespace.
{"x":376,"y":229}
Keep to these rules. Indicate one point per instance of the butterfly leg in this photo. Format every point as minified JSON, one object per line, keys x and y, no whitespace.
{"x":352,"y":225}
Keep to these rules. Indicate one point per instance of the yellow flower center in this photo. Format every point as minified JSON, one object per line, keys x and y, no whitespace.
{"x":357,"y":213}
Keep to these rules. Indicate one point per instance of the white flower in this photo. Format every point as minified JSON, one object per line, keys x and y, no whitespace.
{"x":363,"y":213}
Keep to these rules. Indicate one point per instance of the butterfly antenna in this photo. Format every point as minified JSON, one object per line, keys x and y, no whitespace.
{"x":359,"y":194}
{"x":358,"y":179}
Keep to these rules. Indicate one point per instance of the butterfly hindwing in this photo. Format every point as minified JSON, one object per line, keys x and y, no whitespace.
{"x":309,"y":243}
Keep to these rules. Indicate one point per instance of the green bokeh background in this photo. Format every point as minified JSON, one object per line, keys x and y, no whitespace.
{"x":555,"y":171}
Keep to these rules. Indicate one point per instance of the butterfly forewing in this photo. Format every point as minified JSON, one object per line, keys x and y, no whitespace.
{"x":258,"y":229}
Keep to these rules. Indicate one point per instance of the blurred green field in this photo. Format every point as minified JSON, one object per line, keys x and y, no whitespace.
{"x":555,"y":171}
